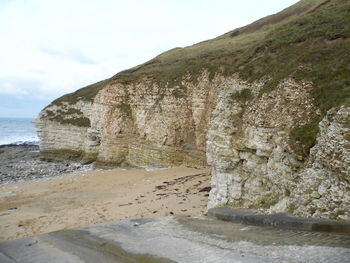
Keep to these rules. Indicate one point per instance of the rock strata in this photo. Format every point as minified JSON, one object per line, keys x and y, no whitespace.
{"x":247,"y":139}
{"x":256,"y":164}
{"x":138,"y":124}
{"x":265,"y":105}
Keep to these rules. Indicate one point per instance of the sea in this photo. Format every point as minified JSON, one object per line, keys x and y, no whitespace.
{"x":18,"y":131}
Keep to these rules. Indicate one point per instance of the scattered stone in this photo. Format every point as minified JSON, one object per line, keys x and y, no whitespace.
{"x":125,"y":204}
{"x":31,"y":244}
{"x":205,"y":189}
{"x":4,"y":214}
{"x":23,"y":163}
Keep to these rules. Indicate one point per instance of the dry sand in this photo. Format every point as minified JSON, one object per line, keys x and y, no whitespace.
{"x":94,"y":197}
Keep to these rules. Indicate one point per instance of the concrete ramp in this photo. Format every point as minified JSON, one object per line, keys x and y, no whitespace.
{"x":177,"y":239}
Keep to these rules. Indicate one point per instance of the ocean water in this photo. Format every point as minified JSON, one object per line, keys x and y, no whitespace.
{"x":17,"y":131}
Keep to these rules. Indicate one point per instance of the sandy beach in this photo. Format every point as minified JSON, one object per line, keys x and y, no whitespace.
{"x":98,"y":196}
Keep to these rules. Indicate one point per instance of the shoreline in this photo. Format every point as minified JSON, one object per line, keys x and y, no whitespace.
{"x":21,"y":163}
{"x":94,"y":197}
{"x":35,"y":200}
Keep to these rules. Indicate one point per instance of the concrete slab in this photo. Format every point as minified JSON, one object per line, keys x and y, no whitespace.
{"x":281,"y":220}
{"x":177,"y":239}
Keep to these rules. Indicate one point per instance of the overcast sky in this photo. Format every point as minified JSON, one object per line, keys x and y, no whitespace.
{"x":52,"y":47}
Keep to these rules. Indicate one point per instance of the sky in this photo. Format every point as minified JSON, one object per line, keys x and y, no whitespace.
{"x":52,"y":47}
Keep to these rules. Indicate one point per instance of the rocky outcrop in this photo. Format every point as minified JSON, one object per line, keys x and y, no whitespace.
{"x":246,"y":135}
{"x":63,"y":130}
{"x":257,"y":165}
{"x":323,"y":186}
{"x":141,"y":124}
{"x":265,"y":105}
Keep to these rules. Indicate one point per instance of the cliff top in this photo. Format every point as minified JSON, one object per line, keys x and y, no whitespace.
{"x":308,"y":41}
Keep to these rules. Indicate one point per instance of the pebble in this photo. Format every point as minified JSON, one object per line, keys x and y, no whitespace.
{"x":23,"y":163}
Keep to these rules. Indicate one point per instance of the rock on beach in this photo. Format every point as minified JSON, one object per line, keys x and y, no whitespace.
{"x":23,"y":163}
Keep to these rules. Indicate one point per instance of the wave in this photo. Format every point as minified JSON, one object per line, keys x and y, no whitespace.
{"x":20,"y":140}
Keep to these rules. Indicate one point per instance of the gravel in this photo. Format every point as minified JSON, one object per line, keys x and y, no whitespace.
{"x":23,"y":163}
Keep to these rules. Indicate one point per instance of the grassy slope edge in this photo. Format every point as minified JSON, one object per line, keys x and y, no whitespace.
{"x":307,"y":41}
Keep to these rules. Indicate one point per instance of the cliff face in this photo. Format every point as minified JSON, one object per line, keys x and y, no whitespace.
{"x":257,"y":165}
{"x":266,"y":106}
{"x":138,"y":124}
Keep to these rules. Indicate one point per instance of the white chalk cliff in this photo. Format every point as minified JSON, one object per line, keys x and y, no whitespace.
{"x":259,"y":105}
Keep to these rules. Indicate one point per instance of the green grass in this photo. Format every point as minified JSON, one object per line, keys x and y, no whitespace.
{"x":305,"y":136}
{"x":125,"y":108}
{"x":242,"y":95}
{"x":225,"y":54}
{"x":314,"y":47}
{"x":87,"y":93}
{"x":180,"y":91}
{"x":78,"y":121}
{"x":65,"y":117}
{"x":307,"y":41}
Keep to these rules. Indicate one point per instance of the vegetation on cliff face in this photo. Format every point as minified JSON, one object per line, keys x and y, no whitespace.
{"x":125,"y":108}
{"x":87,"y":93}
{"x":308,"y":41}
{"x":70,"y":116}
{"x":313,"y":47}
{"x":242,"y":95}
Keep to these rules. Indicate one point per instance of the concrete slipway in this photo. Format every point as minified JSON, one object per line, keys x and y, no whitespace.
{"x":178,"y":239}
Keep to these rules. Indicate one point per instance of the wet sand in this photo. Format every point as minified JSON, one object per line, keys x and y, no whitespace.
{"x":93,"y":197}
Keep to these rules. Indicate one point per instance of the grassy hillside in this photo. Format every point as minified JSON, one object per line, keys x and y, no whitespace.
{"x":309,"y":41}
